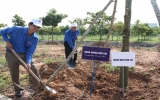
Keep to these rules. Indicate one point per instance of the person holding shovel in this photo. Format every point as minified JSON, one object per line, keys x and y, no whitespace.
{"x":23,"y":40}
{"x":69,"y":43}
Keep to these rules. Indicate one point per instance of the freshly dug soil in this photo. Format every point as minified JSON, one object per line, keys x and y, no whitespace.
{"x":100,"y":44}
{"x":74,"y":84}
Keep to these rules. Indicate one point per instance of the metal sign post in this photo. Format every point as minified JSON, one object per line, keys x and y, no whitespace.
{"x":123,"y":59}
{"x":95,"y":54}
{"x":93,"y":69}
{"x":123,"y":82}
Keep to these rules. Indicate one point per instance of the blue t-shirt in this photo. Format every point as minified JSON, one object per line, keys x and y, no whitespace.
{"x":71,"y":36}
{"x":21,"y":43}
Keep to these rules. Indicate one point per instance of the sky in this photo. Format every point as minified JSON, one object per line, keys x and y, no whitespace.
{"x":29,"y":9}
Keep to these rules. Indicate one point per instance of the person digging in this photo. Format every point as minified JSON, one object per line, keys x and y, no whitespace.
{"x":23,"y":40}
{"x":69,"y":43}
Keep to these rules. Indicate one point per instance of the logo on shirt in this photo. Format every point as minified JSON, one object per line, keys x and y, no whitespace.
{"x":29,"y":42}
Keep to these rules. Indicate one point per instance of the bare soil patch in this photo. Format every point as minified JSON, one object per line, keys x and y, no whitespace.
{"x":74,"y":84}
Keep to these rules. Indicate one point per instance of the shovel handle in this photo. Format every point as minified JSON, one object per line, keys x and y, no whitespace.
{"x":25,"y":66}
{"x":31,"y":72}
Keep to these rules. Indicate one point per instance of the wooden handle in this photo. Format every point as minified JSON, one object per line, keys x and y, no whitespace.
{"x":25,"y":66}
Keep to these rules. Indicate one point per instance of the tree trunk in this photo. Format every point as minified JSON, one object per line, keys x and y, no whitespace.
{"x":101,"y":33}
{"x":101,"y":36}
{"x":48,"y":34}
{"x":156,"y":10}
{"x":48,"y":37}
{"x":43,"y":36}
{"x":52,"y":33}
{"x":125,"y":42}
{"x":117,"y":37}
{"x":90,"y":36}
{"x":112,"y":36}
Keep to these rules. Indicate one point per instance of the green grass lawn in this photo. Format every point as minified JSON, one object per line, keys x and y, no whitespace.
{"x":96,"y":38}
{"x":152,"y":39}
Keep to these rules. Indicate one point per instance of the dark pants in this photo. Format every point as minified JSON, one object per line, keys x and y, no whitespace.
{"x":13,"y":65}
{"x":68,"y":50}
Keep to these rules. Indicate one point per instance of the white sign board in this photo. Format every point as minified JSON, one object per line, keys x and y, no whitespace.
{"x":123,"y":59}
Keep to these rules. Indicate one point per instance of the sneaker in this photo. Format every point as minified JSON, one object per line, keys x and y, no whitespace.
{"x":34,"y":89}
{"x":74,"y":64}
{"x":18,"y":94}
{"x":69,"y":66}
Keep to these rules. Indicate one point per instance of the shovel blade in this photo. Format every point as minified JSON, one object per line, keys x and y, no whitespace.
{"x":50,"y":90}
{"x":72,"y":64}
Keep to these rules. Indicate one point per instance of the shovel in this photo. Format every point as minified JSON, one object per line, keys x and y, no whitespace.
{"x":47,"y":88}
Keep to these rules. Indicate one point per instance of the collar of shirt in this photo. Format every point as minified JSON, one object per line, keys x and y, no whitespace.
{"x":26,"y":32}
{"x":72,"y":31}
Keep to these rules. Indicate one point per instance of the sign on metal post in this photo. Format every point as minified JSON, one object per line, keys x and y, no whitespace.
{"x":95,"y":54}
{"x":123,"y":59}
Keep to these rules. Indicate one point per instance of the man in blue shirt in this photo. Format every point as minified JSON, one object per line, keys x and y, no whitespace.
{"x":24,"y":41}
{"x":69,"y":42}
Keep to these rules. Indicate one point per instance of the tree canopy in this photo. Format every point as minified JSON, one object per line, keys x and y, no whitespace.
{"x":52,"y":19}
{"x":18,"y":20}
{"x":2,"y":25}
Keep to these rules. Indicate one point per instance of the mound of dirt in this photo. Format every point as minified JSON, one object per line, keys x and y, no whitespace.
{"x":74,"y":84}
{"x":100,"y":44}
{"x":53,"y":43}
